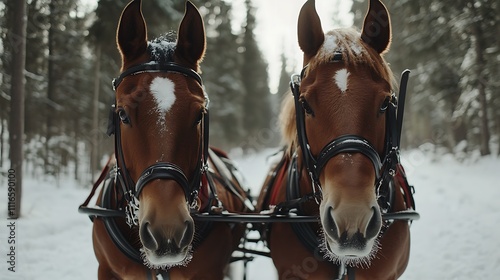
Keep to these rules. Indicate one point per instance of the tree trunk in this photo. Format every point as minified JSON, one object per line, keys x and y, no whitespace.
{"x":50,"y":90}
{"x":481,"y":87}
{"x":76,"y":127}
{"x":94,"y":157}
{"x":2,"y":131}
{"x":16,"y":127}
{"x":498,"y":133}
{"x":497,"y":109}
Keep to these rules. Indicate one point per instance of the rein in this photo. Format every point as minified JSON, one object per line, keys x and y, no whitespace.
{"x":159,"y":170}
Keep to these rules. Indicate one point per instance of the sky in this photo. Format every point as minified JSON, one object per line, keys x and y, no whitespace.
{"x":276,"y":30}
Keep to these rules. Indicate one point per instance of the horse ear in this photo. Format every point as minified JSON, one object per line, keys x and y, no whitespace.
{"x":310,"y":32}
{"x":131,"y":36}
{"x":191,"y":39}
{"x":377,"y":27}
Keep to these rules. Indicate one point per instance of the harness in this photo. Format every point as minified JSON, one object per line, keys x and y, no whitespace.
{"x":116,"y":181}
{"x":159,"y":170}
{"x":384,"y":166}
{"x":387,"y":168}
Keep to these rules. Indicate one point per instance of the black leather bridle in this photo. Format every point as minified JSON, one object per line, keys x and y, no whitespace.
{"x":385,"y":165}
{"x":159,"y":170}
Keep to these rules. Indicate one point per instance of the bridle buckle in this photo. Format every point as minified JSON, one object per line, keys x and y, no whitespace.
{"x":131,"y":210}
{"x":316,"y":188}
{"x":194,"y":205}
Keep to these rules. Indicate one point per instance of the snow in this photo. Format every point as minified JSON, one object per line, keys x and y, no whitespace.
{"x":356,"y":48}
{"x":161,"y":47}
{"x":457,"y":237}
{"x":53,"y":241}
{"x":329,"y":45}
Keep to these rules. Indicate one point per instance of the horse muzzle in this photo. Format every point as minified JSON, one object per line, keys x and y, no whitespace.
{"x":350,"y":231}
{"x":166,"y":246}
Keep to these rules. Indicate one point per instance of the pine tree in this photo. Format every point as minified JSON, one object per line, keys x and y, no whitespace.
{"x":106,"y":64}
{"x":221,"y":78}
{"x":285,"y":77}
{"x":283,"y":92}
{"x":257,"y":115}
{"x":64,"y":98}
{"x":452,"y":50}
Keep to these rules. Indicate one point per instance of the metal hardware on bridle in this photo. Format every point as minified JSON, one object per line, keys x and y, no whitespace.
{"x":316,"y":189}
{"x":385,"y":168}
{"x":194,"y":206}
{"x":160,"y":170}
{"x":131,"y":209}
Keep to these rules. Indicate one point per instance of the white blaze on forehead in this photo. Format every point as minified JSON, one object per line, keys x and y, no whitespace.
{"x":341,"y":79}
{"x":162,"y":90}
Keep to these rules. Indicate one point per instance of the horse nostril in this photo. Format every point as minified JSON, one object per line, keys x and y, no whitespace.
{"x":147,"y":237}
{"x":187,"y":235}
{"x":373,"y":228}
{"x":330,"y":227}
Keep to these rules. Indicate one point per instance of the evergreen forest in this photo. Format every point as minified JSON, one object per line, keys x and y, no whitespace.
{"x":451,"y":47}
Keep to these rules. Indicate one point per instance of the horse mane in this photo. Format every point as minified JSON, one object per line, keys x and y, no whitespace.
{"x":355,"y":52}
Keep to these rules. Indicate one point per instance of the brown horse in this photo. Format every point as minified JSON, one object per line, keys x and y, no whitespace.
{"x":337,"y":128}
{"x":143,"y":226}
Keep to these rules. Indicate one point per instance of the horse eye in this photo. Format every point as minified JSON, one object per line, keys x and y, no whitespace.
{"x":306,"y":107}
{"x":122,"y":114}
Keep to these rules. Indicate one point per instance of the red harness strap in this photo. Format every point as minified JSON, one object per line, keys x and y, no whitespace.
{"x":204,"y":194}
{"x":403,"y":182}
{"x":104,"y":173}
{"x":275,"y":188}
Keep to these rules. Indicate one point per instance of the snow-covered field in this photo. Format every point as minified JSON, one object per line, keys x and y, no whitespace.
{"x":457,"y":237}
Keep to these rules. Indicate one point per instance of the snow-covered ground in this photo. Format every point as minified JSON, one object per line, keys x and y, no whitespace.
{"x":457,"y":237}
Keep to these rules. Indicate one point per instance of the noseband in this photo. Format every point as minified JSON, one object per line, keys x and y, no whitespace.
{"x":384,"y":169}
{"x":160,"y":170}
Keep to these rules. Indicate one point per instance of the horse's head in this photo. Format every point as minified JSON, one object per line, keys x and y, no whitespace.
{"x":344,"y":90}
{"x":161,"y":104}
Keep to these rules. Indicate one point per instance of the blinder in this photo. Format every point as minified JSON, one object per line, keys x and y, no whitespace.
{"x":384,"y":166}
{"x":160,"y":170}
